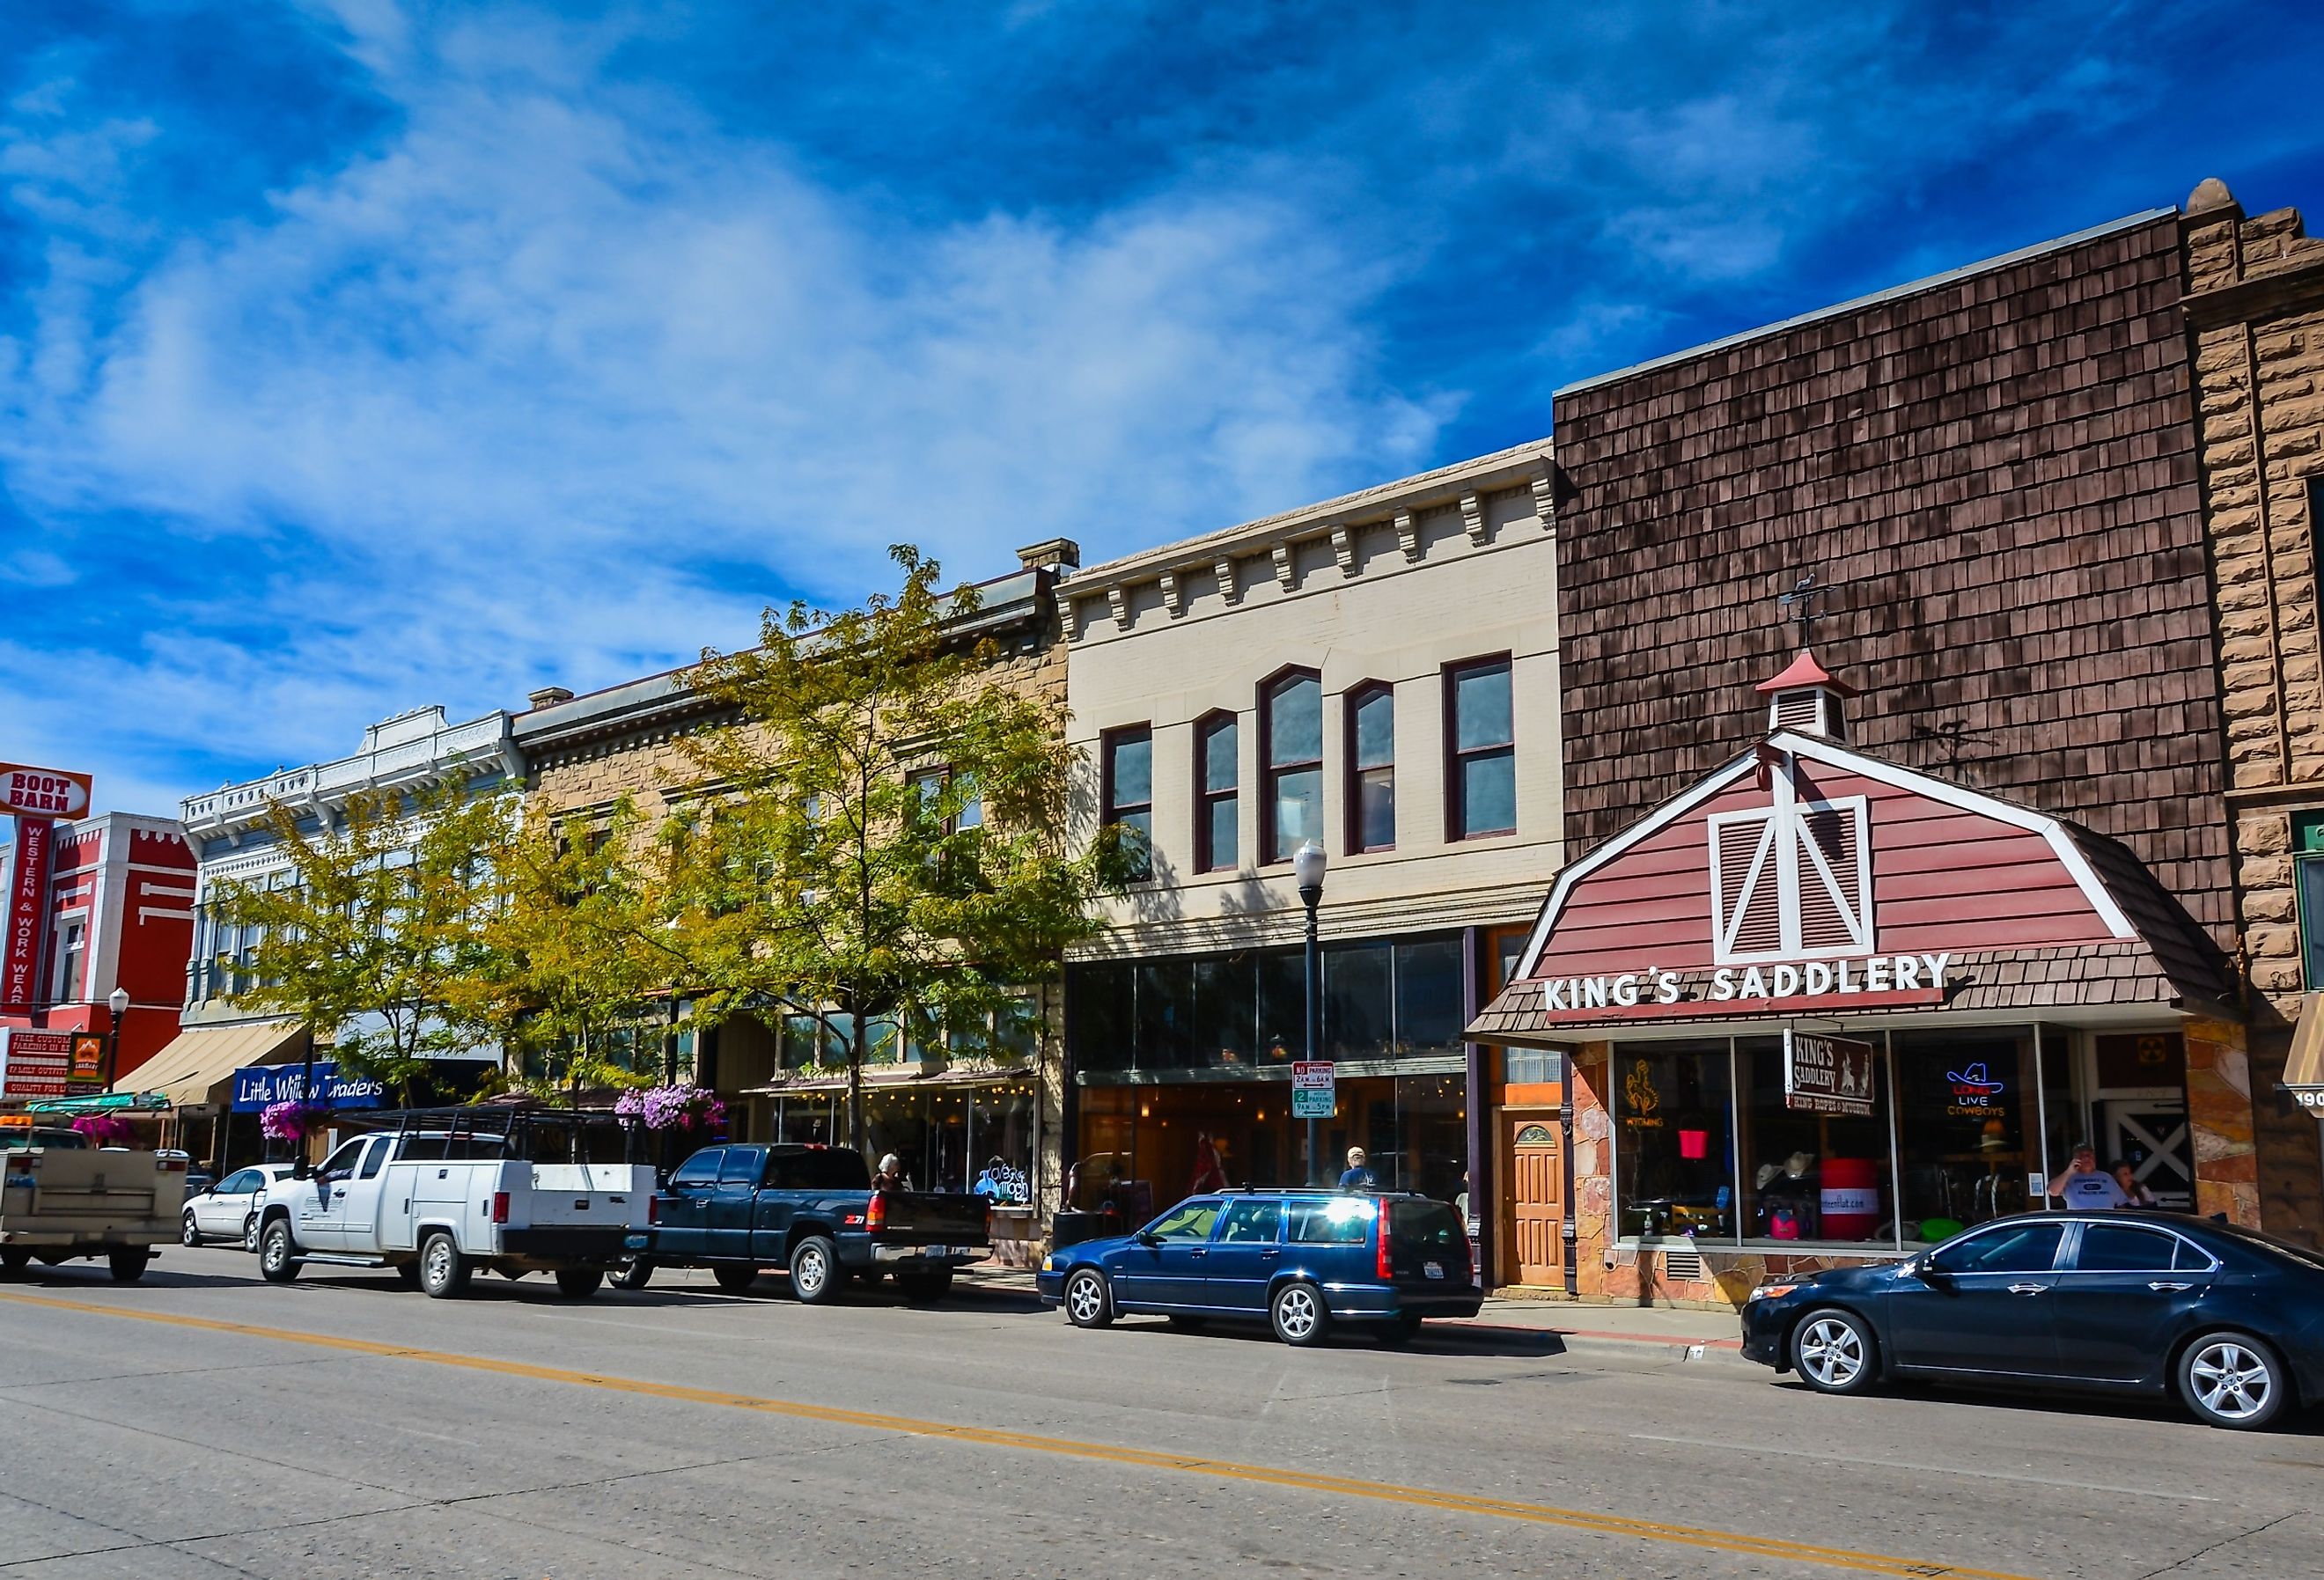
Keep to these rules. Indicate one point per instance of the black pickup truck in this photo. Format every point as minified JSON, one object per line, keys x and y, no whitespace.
{"x":738,"y":1208}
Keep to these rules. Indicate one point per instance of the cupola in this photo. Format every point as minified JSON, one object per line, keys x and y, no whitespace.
{"x":1808,"y":699}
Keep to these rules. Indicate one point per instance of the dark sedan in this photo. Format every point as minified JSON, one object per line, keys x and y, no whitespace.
{"x":2228,"y":1320}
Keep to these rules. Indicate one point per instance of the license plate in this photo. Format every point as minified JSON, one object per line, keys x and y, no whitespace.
{"x":942,"y":1249}
{"x":1435,"y":1269}
{"x":636,"y":1241}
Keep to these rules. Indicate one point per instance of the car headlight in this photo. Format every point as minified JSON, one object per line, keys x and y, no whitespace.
{"x":1773,"y":1291}
{"x":1050,"y":1262}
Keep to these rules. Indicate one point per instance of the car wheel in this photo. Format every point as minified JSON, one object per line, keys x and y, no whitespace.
{"x":578,"y":1283}
{"x":734,"y":1278}
{"x":924,"y":1288}
{"x":444,"y":1273}
{"x":278,"y":1253}
{"x":14,"y":1259}
{"x":1299,"y":1314}
{"x":250,"y":1233}
{"x":127,"y":1265}
{"x":188,"y":1235}
{"x":815,"y":1271}
{"x":2232,"y":1379}
{"x":1088,"y":1302}
{"x":632,"y":1275}
{"x":1833,"y":1351}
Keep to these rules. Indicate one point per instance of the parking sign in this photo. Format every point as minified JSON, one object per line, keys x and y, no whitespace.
{"x":1313,"y":1092}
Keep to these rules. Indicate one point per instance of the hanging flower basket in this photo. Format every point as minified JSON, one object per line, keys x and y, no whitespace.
{"x":682,"y":1107}
{"x":288,"y":1121}
{"x":105,"y":1130}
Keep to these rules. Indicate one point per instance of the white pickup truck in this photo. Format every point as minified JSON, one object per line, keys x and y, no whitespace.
{"x":61,"y":1199}
{"x":446,"y":1192}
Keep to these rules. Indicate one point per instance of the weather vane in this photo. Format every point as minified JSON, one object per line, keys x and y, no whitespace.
{"x":1804,"y":595}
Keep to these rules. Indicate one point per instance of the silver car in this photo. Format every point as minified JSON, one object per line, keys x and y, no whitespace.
{"x":228,"y":1210}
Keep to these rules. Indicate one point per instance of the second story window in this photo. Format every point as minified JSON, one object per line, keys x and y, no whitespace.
{"x":1291,"y":730}
{"x":1371,"y":768}
{"x":1481,"y":759}
{"x":1217,"y":782}
{"x":1127,"y":766}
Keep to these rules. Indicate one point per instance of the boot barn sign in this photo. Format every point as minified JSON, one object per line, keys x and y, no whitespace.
{"x":42,"y":792}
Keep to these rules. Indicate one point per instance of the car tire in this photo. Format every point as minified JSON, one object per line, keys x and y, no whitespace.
{"x":1833,"y":1351}
{"x":14,"y":1259}
{"x":578,"y":1283}
{"x":816,"y":1279}
{"x":2232,"y":1379}
{"x":444,"y":1273}
{"x":633,"y":1275}
{"x":250,"y":1233}
{"x":278,"y":1253}
{"x":1299,"y":1314}
{"x":924,"y":1288}
{"x":1089,"y":1299}
{"x":127,"y":1265}
{"x":188,"y":1235}
{"x":734,"y":1278}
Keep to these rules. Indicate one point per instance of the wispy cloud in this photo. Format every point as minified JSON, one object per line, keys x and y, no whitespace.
{"x":376,"y":354}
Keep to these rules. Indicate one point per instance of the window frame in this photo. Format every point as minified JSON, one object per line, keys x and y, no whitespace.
{"x":1351,"y":703}
{"x":2307,"y":859}
{"x":1206,"y":856}
{"x":1456,"y":811}
{"x":1110,"y":808}
{"x":1271,"y":853}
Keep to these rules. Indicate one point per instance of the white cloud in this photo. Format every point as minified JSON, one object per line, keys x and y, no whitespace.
{"x":486,"y":404}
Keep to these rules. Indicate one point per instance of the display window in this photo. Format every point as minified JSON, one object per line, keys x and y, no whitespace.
{"x":1673,"y":1139}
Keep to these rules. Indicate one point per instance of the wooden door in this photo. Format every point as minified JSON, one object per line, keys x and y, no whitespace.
{"x":1534,"y":1165}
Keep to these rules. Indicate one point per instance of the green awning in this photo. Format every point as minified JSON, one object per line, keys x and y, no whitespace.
{"x":99,"y":1103}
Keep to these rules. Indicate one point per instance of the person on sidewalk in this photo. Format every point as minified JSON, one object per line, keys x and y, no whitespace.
{"x":2085,"y":1186}
{"x":1358,"y":1176}
{"x":1210,"y":1174}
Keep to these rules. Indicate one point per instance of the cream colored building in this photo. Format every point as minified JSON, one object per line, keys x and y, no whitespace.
{"x":1417,"y":624}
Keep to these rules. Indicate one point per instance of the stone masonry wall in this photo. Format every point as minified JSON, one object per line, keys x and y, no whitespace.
{"x":2255,"y":307}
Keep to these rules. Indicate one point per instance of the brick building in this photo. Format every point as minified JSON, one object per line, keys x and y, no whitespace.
{"x":943,"y":1111}
{"x":2255,"y":309}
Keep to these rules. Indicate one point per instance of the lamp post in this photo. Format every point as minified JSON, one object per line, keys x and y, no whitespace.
{"x":117,"y":1001}
{"x":1307,"y":864}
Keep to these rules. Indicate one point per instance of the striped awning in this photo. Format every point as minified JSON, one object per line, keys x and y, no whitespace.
{"x":202,"y":1058}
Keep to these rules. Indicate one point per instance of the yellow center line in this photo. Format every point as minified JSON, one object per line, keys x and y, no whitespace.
{"x":1659,"y":1531}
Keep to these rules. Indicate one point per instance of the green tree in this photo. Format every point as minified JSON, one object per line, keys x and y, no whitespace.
{"x":887,"y":838}
{"x":368,"y":938}
{"x":575,"y":947}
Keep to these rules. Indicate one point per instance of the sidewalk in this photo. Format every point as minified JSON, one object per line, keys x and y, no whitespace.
{"x":1690,"y":1335}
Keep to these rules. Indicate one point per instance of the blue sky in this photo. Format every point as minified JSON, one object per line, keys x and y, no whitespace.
{"x":355,"y":355}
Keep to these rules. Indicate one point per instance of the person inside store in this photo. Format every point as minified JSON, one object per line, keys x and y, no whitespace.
{"x":1358,"y":1176}
{"x":2126,"y":1177}
{"x":2086,"y":1185}
{"x":890,"y":1175}
{"x":1210,"y":1174}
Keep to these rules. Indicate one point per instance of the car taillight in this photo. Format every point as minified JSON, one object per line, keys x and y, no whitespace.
{"x":500,"y":1207}
{"x":172,"y":1165}
{"x":653,"y":1209}
{"x":875,"y":1216}
{"x":1386,"y":1268}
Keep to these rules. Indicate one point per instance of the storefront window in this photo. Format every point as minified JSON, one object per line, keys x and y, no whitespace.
{"x":1428,"y":999}
{"x":1816,"y":1177}
{"x":1165,"y":1002}
{"x":1100,"y":1007}
{"x":1358,"y":1000}
{"x":1967,"y":1120}
{"x":1673,"y":1139}
{"x":1226,"y":1010}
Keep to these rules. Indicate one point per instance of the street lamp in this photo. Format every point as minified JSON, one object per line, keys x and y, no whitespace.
{"x":117,"y":1001}
{"x":1307,"y":864}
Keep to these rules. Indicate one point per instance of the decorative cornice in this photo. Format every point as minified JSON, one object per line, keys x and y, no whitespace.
{"x":1224,"y":569}
{"x":1407,"y":535}
{"x":1283,"y":567}
{"x":1170,"y":599}
{"x":1545,"y":497}
{"x":1117,"y":596}
{"x":1472,"y":517}
{"x":1343,"y":548}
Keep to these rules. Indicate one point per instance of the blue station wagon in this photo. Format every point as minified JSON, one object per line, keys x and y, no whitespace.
{"x":1301,"y":1260}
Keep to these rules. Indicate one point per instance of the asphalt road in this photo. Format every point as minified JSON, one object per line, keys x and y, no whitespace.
{"x":202,"y":1423}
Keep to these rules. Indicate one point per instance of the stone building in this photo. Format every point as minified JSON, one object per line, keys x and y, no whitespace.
{"x":945,"y":1113}
{"x":2254,"y":309}
{"x":1379,"y":673}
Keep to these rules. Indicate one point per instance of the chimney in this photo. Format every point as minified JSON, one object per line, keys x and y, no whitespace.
{"x":548,"y":696}
{"x":1807,"y":700}
{"x":1062,"y":555}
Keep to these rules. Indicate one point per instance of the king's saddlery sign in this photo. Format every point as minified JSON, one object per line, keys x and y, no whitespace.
{"x":1827,"y":1075}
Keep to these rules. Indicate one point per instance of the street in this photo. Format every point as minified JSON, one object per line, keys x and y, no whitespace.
{"x":203,"y":1423}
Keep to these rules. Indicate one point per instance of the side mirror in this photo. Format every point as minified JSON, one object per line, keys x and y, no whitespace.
{"x":1146,"y":1237}
{"x":1930,"y":1274}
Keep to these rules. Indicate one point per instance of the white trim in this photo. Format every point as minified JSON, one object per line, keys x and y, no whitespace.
{"x":1726,"y":920}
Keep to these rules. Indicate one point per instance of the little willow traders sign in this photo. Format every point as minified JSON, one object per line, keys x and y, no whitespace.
{"x":1314,"y":1094}
{"x":1827,"y":1075}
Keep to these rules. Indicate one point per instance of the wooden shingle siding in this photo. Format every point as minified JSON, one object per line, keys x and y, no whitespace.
{"x":1996,"y":476}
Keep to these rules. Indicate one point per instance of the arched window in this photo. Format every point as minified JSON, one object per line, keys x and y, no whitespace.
{"x":1371,"y":767}
{"x":1217,"y":783}
{"x":1291,"y":737}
